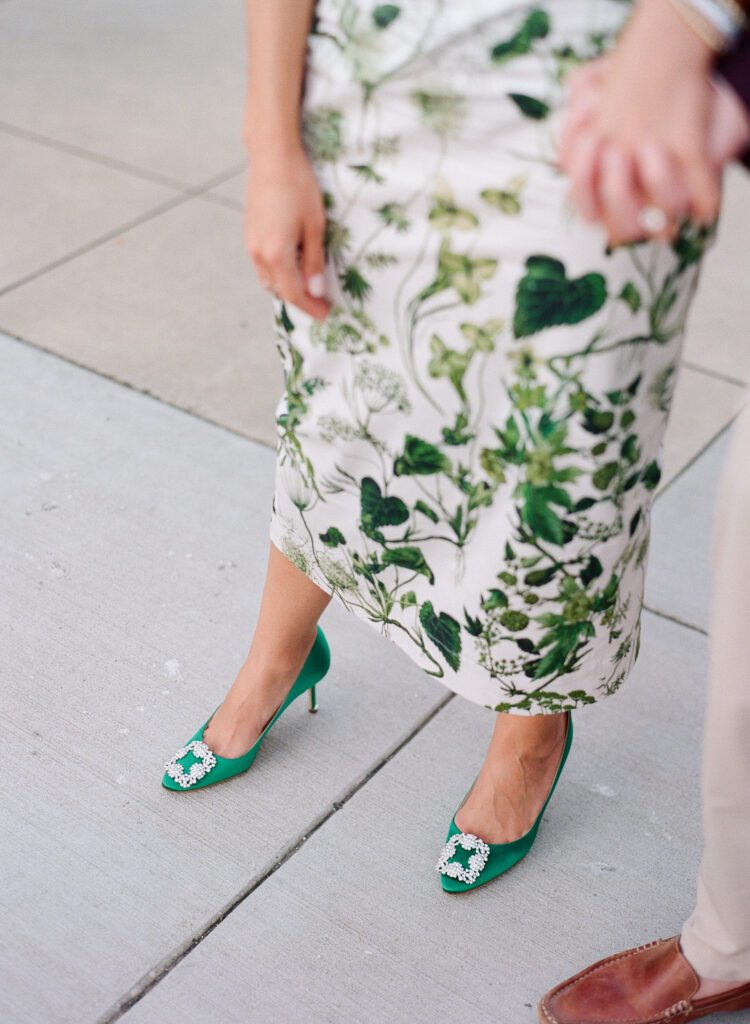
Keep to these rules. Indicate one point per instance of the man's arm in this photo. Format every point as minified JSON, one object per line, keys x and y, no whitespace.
{"x":734,"y":67}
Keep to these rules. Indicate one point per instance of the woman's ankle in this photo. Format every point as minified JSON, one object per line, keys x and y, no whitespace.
{"x":265,"y":676}
{"x":533,"y":736}
{"x":276,"y":661}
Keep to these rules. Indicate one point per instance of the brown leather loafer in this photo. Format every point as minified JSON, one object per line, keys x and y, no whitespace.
{"x":650,"y":984}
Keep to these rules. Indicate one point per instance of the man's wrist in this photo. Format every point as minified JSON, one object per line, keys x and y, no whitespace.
{"x":719,"y":22}
{"x":658,"y":22}
{"x":734,"y":70}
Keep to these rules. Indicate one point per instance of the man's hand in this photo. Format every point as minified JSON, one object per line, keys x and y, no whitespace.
{"x":639,"y":141}
{"x":729,"y":135}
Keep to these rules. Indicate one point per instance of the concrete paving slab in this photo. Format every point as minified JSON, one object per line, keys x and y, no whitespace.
{"x":133,"y":549}
{"x":703,"y":406}
{"x":355,"y":926}
{"x":159,"y":87}
{"x":188,"y":322}
{"x":679,"y":572}
{"x":171,"y":307}
{"x":232,"y":190}
{"x":717,"y":331}
{"x":52,"y":203}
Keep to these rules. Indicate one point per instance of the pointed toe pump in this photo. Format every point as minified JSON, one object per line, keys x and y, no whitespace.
{"x":466,"y":861}
{"x":195,"y":765}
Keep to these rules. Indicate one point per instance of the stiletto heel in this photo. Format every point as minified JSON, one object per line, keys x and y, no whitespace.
{"x":486,"y":861}
{"x":195,"y":765}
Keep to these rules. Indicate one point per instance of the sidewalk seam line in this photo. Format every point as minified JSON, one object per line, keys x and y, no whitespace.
{"x":691,"y":462}
{"x":674,"y":618}
{"x":716,"y":374}
{"x":153,"y":977}
{"x":134,"y":170}
{"x":216,"y":197}
{"x":133,"y":387}
{"x":248,"y":437}
{"x":156,"y":211}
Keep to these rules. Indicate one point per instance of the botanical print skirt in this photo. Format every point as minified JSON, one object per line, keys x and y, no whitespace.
{"x":468,"y":446}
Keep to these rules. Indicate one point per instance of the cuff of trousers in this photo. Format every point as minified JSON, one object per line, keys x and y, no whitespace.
{"x":708,"y":962}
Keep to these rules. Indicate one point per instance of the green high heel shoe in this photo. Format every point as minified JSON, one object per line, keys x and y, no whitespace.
{"x":486,"y":861}
{"x":195,"y":765}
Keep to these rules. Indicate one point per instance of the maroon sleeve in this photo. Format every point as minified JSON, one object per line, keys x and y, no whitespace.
{"x":735,"y":67}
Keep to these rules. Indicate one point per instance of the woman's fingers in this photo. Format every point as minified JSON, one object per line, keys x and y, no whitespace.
{"x":284,"y":230}
{"x":703,"y":184}
{"x":259,"y":263}
{"x":287,"y":282}
{"x":578,"y":121}
{"x":583,"y":169}
{"x":612,"y":185}
{"x":256,"y":243}
{"x":313,"y":258}
{"x":608,"y":184}
{"x":620,"y":196}
{"x":278,"y":269}
{"x":584,"y":96}
{"x":662,"y":186}
{"x":586,"y":75}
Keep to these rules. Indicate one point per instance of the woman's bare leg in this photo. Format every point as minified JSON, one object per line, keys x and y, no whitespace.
{"x":284,"y":633}
{"x":515,"y":778}
{"x":523,"y":754}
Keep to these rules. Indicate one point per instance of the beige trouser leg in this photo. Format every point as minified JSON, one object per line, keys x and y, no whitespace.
{"x":716,"y":936}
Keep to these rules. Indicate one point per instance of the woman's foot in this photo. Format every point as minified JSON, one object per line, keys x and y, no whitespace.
{"x":516,"y":777}
{"x":254,"y":697}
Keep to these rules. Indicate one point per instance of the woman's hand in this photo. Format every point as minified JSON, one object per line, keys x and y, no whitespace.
{"x":637,"y":134}
{"x":285,"y":227}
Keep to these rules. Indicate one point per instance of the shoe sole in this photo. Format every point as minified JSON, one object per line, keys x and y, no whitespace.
{"x":720,"y":1004}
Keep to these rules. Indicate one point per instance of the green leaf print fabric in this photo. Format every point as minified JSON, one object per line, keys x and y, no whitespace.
{"x":468,"y":446}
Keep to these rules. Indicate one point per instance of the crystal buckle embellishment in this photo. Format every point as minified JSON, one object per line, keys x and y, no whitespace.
{"x":467,"y":841}
{"x":204,"y":764}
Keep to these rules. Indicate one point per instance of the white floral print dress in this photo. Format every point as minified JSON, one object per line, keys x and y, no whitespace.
{"x":469,"y":445}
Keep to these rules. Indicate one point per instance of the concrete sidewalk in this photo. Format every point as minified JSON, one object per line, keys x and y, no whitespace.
{"x":138,"y":378}
{"x":305,"y":890}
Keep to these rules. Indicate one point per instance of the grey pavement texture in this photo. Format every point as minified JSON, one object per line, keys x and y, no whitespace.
{"x":130,"y":639}
{"x":679,"y":572}
{"x":132,"y":531}
{"x":156,"y":88}
{"x":138,"y":379}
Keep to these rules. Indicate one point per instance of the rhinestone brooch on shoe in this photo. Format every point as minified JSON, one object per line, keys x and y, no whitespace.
{"x":204,"y":764}
{"x":447,"y":866}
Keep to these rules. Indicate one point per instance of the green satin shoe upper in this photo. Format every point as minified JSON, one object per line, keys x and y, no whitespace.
{"x":466,"y":861}
{"x":195,"y":765}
